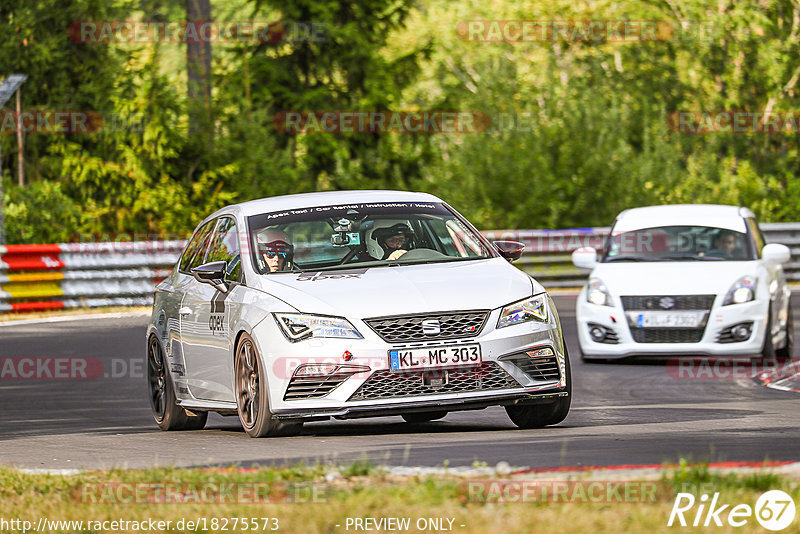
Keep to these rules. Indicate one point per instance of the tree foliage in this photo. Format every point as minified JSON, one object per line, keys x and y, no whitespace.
{"x":580,"y":130}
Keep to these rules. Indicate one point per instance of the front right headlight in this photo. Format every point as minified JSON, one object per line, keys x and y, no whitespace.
{"x":597,"y":293}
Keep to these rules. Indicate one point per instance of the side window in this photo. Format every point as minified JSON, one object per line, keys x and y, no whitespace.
{"x":225,"y":247}
{"x":196,"y":248}
{"x":758,"y":237}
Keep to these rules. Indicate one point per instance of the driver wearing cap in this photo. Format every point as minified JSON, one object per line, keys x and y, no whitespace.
{"x":276,"y":249}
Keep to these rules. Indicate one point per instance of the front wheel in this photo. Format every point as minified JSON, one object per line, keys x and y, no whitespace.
{"x":768,"y":348}
{"x":252,"y":400}
{"x":786,"y":353}
{"x":166,"y":412}
{"x":540,"y":415}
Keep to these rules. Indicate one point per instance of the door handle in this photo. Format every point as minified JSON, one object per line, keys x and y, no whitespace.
{"x":185,"y":311}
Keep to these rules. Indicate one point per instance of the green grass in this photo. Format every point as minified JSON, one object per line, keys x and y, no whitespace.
{"x":304,"y":500}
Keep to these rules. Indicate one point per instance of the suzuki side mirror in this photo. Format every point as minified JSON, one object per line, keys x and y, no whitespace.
{"x":776,"y":254}
{"x":584,"y":258}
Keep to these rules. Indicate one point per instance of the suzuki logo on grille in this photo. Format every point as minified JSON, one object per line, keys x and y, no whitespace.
{"x":666,"y":303}
{"x":431,"y":327}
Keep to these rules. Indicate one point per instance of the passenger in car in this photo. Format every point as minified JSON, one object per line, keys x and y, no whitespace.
{"x":395,"y":240}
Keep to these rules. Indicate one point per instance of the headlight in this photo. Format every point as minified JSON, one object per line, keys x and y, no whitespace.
{"x":597,"y":293}
{"x":743,"y":290}
{"x":299,"y":326}
{"x":530,"y":309}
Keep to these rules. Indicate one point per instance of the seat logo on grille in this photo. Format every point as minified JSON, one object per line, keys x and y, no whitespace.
{"x":431,"y":327}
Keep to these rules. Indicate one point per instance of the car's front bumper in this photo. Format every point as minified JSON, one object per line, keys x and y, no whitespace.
{"x":281,"y":358}
{"x":719,"y":318}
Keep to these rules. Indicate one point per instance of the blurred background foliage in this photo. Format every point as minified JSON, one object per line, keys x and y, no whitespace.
{"x":579,"y":130}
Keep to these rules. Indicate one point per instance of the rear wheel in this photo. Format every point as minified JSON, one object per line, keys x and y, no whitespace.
{"x":423,"y":417}
{"x":540,"y":415}
{"x":252,"y":400}
{"x":786,"y":353}
{"x":166,"y":412}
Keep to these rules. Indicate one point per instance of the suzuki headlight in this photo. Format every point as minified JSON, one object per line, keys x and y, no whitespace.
{"x":743,"y":290}
{"x":597,"y":293}
{"x":530,"y":309}
{"x":299,"y":326}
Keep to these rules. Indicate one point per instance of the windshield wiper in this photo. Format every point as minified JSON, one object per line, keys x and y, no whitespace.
{"x":691,"y":257}
{"x":626,"y":258}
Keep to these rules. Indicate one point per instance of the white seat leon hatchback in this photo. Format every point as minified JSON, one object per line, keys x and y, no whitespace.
{"x":684,"y":280}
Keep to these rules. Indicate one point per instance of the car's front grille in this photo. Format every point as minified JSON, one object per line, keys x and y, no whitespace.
{"x":668,"y":302}
{"x":385,"y":384}
{"x":313,"y":387}
{"x":667,"y":335}
{"x":409,"y":328}
{"x":539,"y":369}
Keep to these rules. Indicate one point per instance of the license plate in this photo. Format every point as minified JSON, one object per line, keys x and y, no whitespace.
{"x":434,"y":357}
{"x":656,"y":319}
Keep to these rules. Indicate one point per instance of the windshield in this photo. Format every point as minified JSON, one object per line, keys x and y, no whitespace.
{"x":362,"y":235}
{"x":678,"y":243}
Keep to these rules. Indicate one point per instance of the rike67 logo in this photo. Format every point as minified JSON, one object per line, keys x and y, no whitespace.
{"x":774,"y":510}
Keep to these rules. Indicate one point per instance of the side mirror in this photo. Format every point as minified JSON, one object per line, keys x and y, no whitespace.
{"x":510,"y":250}
{"x":584,"y":258}
{"x":212,"y":273}
{"x":776,"y":254}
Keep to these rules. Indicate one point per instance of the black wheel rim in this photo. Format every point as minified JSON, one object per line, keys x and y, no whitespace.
{"x":248,"y":383}
{"x":157,"y":378}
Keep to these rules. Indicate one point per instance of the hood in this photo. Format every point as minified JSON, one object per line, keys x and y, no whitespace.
{"x":381,"y":291}
{"x":673,"y":278}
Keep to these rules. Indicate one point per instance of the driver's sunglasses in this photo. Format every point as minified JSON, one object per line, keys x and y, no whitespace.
{"x":273,"y":255}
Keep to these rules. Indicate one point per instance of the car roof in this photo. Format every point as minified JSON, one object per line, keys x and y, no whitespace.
{"x":324,"y":198}
{"x":713,"y":215}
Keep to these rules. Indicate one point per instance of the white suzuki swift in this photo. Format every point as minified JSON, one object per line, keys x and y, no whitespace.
{"x":685,"y":280}
{"x":351,"y":304}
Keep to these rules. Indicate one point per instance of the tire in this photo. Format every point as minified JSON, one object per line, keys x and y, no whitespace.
{"x":423,"y":417}
{"x":252,"y":399}
{"x":768,"y":348}
{"x":541,"y":415}
{"x":163,"y":403}
{"x":786,"y":353}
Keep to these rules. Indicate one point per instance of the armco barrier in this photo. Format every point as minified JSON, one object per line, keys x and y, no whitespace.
{"x":40,"y":277}
{"x":69,"y":275}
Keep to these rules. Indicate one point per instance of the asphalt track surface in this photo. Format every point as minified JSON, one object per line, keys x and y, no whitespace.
{"x":622,"y":413}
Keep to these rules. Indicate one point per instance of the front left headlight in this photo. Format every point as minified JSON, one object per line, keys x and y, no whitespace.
{"x":300,"y":326}
{"x":530,"y":309}
{"x":743,"y":290}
